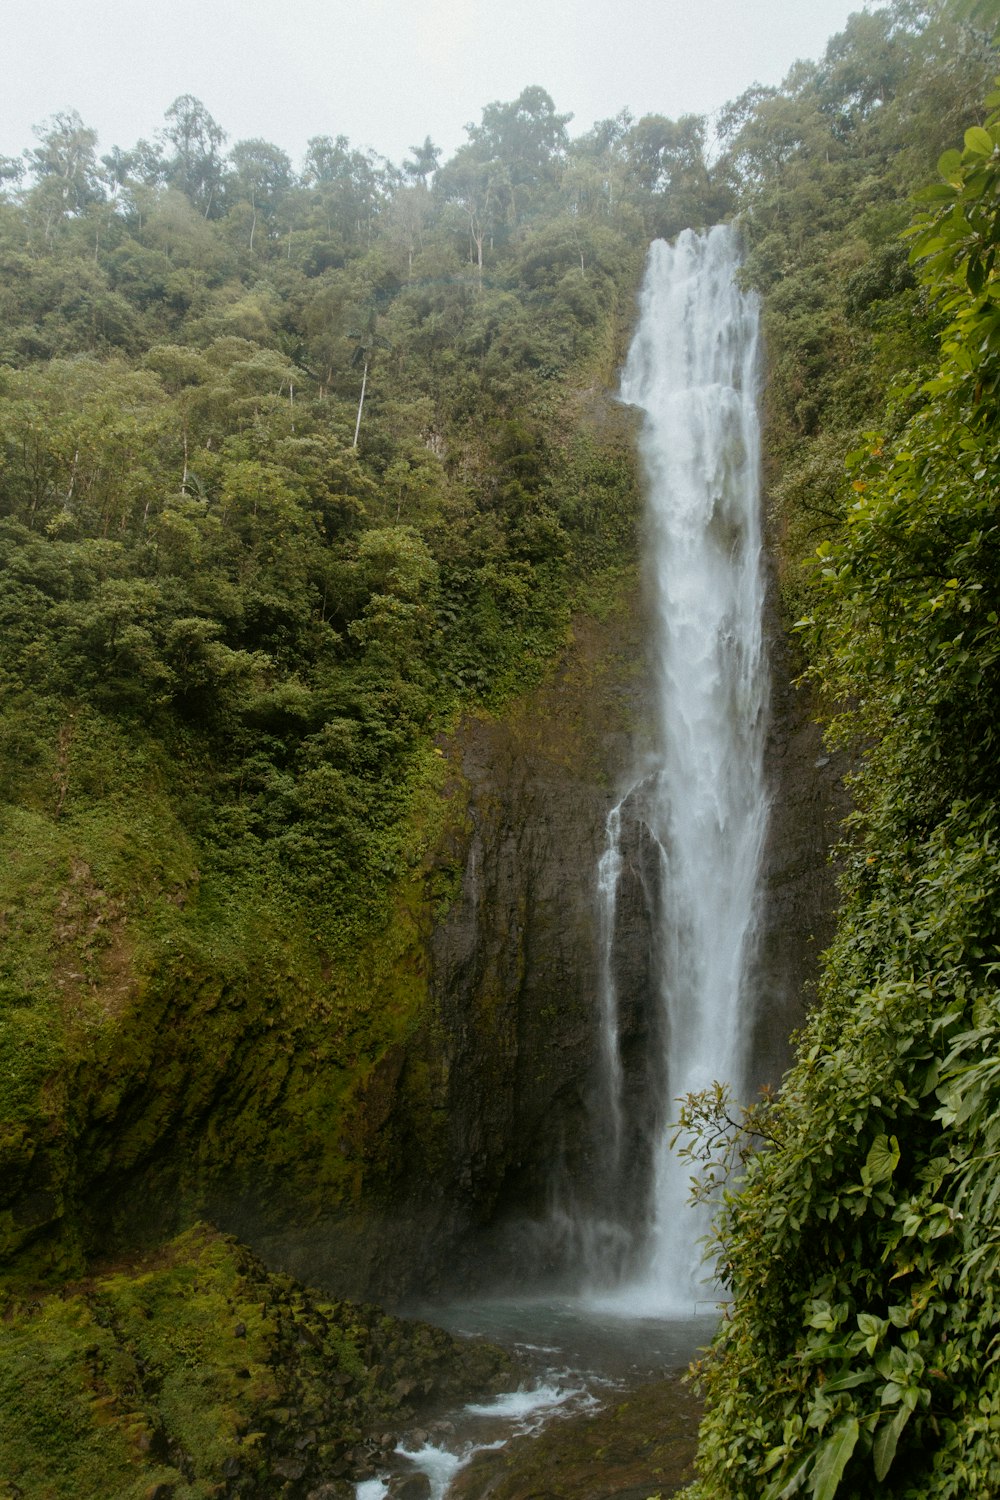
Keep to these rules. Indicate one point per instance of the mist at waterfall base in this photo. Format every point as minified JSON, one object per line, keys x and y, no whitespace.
{"x":573,"y":1359}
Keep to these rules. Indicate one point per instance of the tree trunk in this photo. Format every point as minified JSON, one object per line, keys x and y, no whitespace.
{"x":357,"y":425}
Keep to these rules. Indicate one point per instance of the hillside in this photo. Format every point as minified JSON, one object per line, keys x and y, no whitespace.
{"x":319,"y":530}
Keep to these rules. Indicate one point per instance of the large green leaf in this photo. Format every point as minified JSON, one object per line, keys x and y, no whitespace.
{"x":886,"y":1439}
{"x":784,"y":1489}
{"x":848,"y":1381}
{"x":882,"y":1160}
{"x":978,"y":141}
{"x":833,"y":1459}
{"x":950,"y":167}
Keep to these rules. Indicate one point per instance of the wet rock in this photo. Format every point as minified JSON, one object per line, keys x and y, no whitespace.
{"x":296,"y":1428}
{"x":808,"y":802}
{"x":409,"y":1487}
{"x":511,"y":969}
{"x":639,"y":1448}
{"x":288,"y":1468}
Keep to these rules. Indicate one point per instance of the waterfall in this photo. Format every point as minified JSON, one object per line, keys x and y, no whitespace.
{"x":692,"y":370}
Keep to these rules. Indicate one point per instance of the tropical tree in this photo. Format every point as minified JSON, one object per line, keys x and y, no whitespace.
{"x":526,"y":135}
{"x":483,"y":193}
{"x":196,"y":167}
{"x":64,"y":164}
{"x":349,"y":185}
{"x":424,"y":163}
{"x":262,"y":178}
{"x":11,"y":171}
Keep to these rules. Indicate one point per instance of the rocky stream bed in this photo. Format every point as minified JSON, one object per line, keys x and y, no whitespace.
{"x":197,"y":1374}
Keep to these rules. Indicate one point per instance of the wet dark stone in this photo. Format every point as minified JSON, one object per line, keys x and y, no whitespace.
{"x":409,"y":1487}
{"x":288,"y":1468}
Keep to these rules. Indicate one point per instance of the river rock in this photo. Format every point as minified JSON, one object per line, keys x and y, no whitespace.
{"x":409,"y":1487}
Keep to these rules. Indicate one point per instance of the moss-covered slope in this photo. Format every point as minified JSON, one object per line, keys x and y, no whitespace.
{"x":196,"y":1373}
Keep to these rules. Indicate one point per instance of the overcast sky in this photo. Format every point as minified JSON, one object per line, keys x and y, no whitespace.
{"x":386,"y":73}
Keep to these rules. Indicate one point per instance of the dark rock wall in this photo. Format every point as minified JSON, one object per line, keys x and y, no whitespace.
{"x":486,"y":1117}
{"x":807,"y":804}
{"x":506,"y":1047}
{"x":516,"y":962}
{"x":516,"y":958}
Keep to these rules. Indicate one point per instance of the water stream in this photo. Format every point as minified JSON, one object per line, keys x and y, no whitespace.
{"x":697,"y":807}
{"x":574,"y":1360}
{"x":701,"y":798}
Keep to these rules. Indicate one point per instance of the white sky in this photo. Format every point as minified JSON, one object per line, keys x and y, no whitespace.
{"x":386,"y":73}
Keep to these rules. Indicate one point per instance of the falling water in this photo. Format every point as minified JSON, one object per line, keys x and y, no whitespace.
{"x":692,"y":371}
{"x":697,"y":808}
{"x":609,"y":872}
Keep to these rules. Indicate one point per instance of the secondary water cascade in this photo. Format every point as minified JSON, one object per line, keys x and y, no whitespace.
{"x":700,"y":798}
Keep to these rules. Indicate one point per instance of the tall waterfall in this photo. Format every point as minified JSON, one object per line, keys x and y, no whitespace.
{"x":700,"y":801}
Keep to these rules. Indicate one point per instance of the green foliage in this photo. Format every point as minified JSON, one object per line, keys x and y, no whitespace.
{"x":823,"y":169}
{"x":859,"y":1352}
{"x":230,"y":636}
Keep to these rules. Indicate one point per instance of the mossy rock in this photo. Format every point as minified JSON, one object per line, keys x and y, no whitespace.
{"x":197,"y":1373}
{"x":641,"y":1448}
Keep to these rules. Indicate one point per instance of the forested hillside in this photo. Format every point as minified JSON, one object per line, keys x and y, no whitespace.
{"x":238,"y":604}
{"x":298,"y":466}
{"x":295,"y":468}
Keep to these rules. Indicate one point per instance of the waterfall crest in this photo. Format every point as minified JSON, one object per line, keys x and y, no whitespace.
{"x":692,"y":370}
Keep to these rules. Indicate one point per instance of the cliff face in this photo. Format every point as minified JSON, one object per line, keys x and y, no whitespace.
{"x":472,"y":1114}
{"x":807,"y":804}
{"x":516,"y":959}
{"x":510,"y":1035}
{"x":414,"y":1118}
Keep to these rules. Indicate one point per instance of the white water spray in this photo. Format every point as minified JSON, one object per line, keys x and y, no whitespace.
{"x":692,"y":369}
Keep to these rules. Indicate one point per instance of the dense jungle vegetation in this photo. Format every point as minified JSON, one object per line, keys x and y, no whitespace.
{"x":237,"y":603}
{"x":860,"y":1353}
{"x":298,"y":464}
